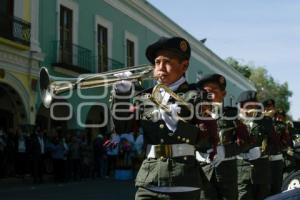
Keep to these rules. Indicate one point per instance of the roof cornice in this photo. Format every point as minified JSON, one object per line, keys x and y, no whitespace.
{"x":164,"y":26}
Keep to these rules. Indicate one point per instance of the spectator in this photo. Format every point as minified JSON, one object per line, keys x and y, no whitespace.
{"x":2,"y":152}
{"x":86,"y":149}
{"x":10,"y":153}
{"x":21,"y":153}
{"x":58,"y":151}
{"x":139,"y":143}
{"x":139,"y":150}
{"x":100,"y":156}
{"x":126,"y":149}
{"x":74,"y":155}
{"x":112,"y":153}
{"x":37,"y":152}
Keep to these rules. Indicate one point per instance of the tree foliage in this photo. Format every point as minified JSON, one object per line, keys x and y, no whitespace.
{"x":265,"y":84}
{"x":245,"y":70}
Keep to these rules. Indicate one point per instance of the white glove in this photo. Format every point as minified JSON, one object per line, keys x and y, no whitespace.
{"x":171,"y":119}
{"x":123,"y":75}
{"x":220,"y":156}
{"x":123,"y":86}
{"x":254,"y":153}
{"x":202,"y":157}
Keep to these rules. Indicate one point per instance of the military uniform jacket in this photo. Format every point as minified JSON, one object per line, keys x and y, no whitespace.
{"x":227,"y":130}
{"x":168,"y":172}
{"x":227,"y":171}
{"x":279,"y":138}
{"x":259,"y":131}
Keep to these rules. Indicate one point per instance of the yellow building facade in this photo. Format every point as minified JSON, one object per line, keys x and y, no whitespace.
{"x":20,"y":56}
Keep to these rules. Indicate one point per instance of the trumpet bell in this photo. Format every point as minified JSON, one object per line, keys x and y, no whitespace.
{"x":50,"y":85}
{"x":45,"y":92}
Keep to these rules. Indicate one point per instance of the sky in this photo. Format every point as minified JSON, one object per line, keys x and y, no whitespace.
{"x":265,"y":33}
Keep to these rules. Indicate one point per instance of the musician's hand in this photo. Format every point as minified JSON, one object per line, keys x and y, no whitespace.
{"x":290,"y":152}
{"x":123,"y":85}
{"x":219,"y":156}
{"x":202,"y":157}
{"x":254,"y":153}
{"x":171,"y":119}
{"x":123,"y":75}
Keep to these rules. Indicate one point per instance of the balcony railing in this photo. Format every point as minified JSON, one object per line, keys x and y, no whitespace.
{"x":73,"y":57}
{"x":15,"y":29}
{"x":107,"y":63}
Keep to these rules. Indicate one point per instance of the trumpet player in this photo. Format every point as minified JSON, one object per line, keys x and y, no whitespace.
{"x":253,"y":162}
{"x":222,"y":170}
{"x":170,"y":170}
{"x":278,"y":142}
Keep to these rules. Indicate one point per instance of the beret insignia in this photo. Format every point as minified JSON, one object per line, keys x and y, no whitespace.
{"x":222,"y":80}
{"x":183,"y":45}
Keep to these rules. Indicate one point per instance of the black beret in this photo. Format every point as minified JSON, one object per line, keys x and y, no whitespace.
{"x":269,"y":102}
{"x":176,"y":45}
{"x":213,"y":78}
{"x":247,"y":96}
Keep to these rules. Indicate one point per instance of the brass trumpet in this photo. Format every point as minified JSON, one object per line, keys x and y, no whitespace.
{"x":50,"y":85}
{"x":157,"y":97}
{"x":256,"y":113}
{"x":269,"y":113}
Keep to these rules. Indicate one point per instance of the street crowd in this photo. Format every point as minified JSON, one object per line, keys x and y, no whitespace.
{"x":66,"y":157}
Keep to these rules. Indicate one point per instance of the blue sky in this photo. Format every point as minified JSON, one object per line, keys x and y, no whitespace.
{"x":266,"y":33}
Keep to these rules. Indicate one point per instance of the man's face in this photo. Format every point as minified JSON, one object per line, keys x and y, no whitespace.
{"x":269,"y":107}
{"x":280,"y":118}
{"x":217,"y":94}
{"x":168,"y":68}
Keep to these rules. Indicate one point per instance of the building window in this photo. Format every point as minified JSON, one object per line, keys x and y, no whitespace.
{"x":130,"y":53}
{"x":66,"y":37}
{"x":102,"y":44}
{"x":6,"y":14}
{"x":7,"y":7}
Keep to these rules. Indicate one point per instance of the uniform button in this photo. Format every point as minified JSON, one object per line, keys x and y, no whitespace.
{"x":187,"y":141}
{"x":178,"y":137}
{"x":161,"y":126}
{"x":184,"y":158}
{"x":162,"y":140}
{"x":183,"y":139}
{"x":170,"y":134}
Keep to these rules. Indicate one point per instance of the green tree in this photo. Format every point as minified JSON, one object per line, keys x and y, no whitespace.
{"x":245,"y":70}
{"x":265,"y":84}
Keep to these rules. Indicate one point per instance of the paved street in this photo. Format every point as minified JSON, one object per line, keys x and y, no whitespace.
{"x":101,"y":189}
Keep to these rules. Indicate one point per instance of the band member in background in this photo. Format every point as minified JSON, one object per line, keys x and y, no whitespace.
{"x":170,"y":170}
{"x":278,"y":142}
{"x":222,"y":171}
{"x":253,"y":164}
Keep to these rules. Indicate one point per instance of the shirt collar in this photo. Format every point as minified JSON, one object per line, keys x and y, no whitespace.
{"x":174,"y":86}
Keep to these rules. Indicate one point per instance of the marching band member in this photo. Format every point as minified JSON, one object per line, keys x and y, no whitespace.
{"x":170,"y":170}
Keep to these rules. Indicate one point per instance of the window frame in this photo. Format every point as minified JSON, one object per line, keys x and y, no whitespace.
{"x":99,"y":20}
{"x":133,"y":38}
